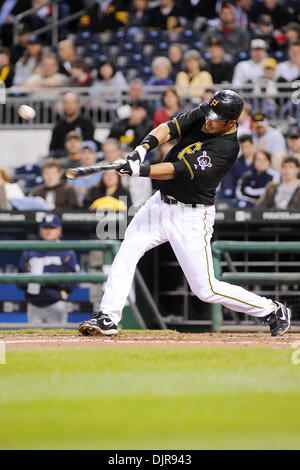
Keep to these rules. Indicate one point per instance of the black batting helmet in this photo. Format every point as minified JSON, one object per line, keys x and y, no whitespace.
{"x":225,"y":105}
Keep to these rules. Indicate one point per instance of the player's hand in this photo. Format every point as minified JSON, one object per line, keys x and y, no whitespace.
{"x":138,"y":154}
{"x":129,"y":167}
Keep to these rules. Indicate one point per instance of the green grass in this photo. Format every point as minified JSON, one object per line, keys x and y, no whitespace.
{"x":152,"y":398}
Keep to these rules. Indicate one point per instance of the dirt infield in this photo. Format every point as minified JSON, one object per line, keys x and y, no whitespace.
{"x":149,"y":339}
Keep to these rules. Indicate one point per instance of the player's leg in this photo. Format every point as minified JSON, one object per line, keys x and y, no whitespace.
{"x":143,"y":233}
{"x":193,"y":252}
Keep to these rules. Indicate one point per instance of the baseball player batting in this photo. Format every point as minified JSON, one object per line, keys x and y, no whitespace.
{"x":182,"y":212}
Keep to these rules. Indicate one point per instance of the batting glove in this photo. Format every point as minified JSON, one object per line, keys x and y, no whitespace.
{"x":138,"y":154}
{"x":129,"y":167}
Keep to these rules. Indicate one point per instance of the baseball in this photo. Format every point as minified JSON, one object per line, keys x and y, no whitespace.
{"x":26,"y":112}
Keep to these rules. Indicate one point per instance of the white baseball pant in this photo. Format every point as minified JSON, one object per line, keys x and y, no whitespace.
{"x":189,"y":231}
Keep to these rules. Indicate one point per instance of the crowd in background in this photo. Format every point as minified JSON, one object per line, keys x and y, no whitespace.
{"x":254,"y":45}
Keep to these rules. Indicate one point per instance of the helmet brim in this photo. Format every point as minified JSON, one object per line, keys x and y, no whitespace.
{"x":210,"y":113}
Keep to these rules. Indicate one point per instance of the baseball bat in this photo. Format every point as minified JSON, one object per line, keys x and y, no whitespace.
{"x":73,"y":173}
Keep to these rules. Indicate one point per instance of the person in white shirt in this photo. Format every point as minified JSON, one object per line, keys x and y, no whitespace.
{"x":290,"y":69}
{"x":8,"y":190}
{"x":247,"y":70}
{"x":266,"y":137}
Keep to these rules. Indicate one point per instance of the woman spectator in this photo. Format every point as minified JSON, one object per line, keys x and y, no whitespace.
{"x":171,"y":107}
{"x":29,"y":62}
{"x":252,"y":183}
{"x":161,"y":69}
{"x":106,"y":91}
{"x":193,"y":76}
{"x":105,"y":195}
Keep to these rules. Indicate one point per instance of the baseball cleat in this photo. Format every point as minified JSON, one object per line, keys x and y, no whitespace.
{"x":279,"y":320}
{"x":98,"y":324}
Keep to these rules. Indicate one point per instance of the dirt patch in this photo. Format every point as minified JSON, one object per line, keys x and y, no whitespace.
{"x":169,"y":340}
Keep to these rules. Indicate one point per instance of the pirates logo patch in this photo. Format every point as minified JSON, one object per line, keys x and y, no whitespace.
{"x":204,"y":161}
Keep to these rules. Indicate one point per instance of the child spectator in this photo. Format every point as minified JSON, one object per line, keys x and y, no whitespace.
{"x":46,"y":303}
{"x":252,"y":183}
{"x":284,"y":195}
{"x":57,"y":193}
{"x":81,"y":76}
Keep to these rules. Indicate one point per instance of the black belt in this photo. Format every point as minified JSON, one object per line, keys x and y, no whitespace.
{"x":171,"y":200}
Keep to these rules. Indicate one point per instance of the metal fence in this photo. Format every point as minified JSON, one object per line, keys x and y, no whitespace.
{"x":103,"y":105}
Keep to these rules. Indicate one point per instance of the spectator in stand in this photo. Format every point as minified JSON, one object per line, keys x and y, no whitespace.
{"x":290,"y":69}
{"x":88,"y":158}
{"x":279,"y":14}
{"x":130,"y":131}
{"x":139,"y":15}
{"x":245,"y":121}
{"x":293,"y":147}
{"x":161,"y":69}
{"x":73,"y":147}
{"x":9,"y":9}
{"x":56,"y":192}
{"x":29,"y":62}
{"x":111,"y":150}
{"x":220,"y":68}
{"x":105,"y":15}
{"x":266,"y":85}
{"x":242,"y":11}
{"x":248,"y":69}
{"x":171,"y":107}
{"x":266,"y":137}
{"x":175,"y":57}
{"x":66,"y":53}
{"x":292,"y":32}
{"x":107,"y":193}
{"x":193,"y":77}
{"x":106,"y":90}
{"x":264,"y":31}
{"x":136,"y":92}
{"x":70,"y":121}
{"x":166,"y":16}
{"x":19,"y":48}
{"x":284,"y":195}
{"x":252,"y":183}
{"x":6,"y":69}
{"x":47,"y":76}
{"x":242,"y":165}
{"x":46,"y":303}
{"x":80,"y":73}
{"x":8,"y":190}
{"x":233,"y":37}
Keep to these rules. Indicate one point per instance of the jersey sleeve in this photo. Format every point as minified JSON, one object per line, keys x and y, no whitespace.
{"x":181,"y":124}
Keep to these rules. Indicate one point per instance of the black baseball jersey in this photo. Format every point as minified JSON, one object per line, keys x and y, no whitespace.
{"x":200,"y":159}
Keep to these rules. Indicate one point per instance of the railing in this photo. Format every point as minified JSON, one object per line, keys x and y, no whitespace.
{"x":53,"y":26}
{"x":220,"y":248}
{"x":101,"y":106}
{"x":110,"y":249}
